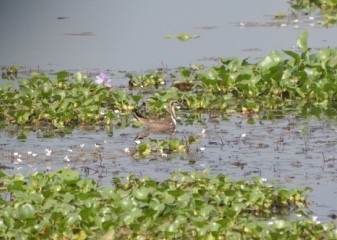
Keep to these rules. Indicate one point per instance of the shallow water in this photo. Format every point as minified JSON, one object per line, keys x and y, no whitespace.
{"x":288,"y":152}
{"x":130,"y":35}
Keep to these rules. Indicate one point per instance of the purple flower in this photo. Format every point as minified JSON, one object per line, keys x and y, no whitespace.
{"x":103,"y":79}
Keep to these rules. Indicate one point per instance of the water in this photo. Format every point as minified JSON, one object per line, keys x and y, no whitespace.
{"x":130,"y":35}
{"x":288,"y":152}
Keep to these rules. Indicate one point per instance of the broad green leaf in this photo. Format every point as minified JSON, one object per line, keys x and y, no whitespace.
{"x":302,"y":41}
{"x":26,"y":211}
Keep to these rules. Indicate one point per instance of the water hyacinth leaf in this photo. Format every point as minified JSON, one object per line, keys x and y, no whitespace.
{"x":144,"y":148}
{"x":26,"y":211}
{"x":141,"y":193}
{"x":62,"y":75}
{"x":270,"y":60}
{"x":68,"y":174}
{"x":302,"y":41}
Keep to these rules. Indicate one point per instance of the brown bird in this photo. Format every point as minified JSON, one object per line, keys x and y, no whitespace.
{"x":161,"y":124}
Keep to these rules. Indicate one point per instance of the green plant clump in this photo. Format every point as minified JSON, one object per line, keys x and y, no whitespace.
{"x":328,"y":8}
{"x":69,"y":100}
{"x":304,"y":83}
{"x":62,"y":205}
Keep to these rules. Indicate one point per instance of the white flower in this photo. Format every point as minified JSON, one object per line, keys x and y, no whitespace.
{"x":48,"y":152}
{"x":126,"y":150}
{"x":67,"y":159}
{"x":202,"y":148}
{"x":82,"y":145}
{"x":29,"y":152}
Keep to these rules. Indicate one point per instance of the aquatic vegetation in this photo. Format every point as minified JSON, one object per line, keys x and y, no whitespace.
{"x":104,"y":79}
{"x":162,"y":148}
{"x":10,"y":72}
{"x":67,"y":101}
{"x":324,"y":4}
{"x":152,"y":79}
{"x":183,"y":37}
{"x":186,"y":206}
{"x":328,"y":8}
{"x":302,"y":82}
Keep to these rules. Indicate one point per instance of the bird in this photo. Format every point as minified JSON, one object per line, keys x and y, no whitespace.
{"x":160,"y":124}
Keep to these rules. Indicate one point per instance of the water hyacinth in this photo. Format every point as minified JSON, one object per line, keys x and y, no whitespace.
{"x":104,"y":79}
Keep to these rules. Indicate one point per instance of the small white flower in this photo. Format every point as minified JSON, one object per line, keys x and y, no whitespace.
{"x":243,"y":135}
{"x":34,"y":154}
{"x":137,"y":141}
{"x":299,"y":215}
{"x":29,"y":152}
{"x":15,"y":154}
{"x":126,"y":150}
{"x":314,"y":218}
{"x":295,"y":21}
{"x":116,"y":111}
{"x":264,"y":179}
{"x":82,"y":145}
{"x":203,"y":131}
{"x":70,"y":150}
{"x":283,"y":25}
{"x":48,"y":152}
{"x":202,"y":149}
{"x":67,"y":159}
{"x":19,"y":160}
{"x":270,"y":222}
{"x":311,"y":18}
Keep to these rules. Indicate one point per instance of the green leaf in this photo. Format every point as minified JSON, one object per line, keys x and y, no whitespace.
{"x":26,"y":211}
{"x":302,"y":41}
